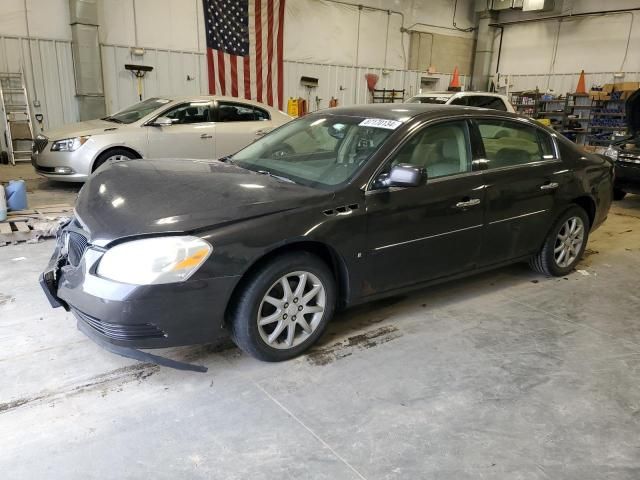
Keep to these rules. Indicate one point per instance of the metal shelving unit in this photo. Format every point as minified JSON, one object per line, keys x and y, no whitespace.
{"x":567,"y":115}
{"x":387,"y":96}
{"x":526,"y":103}
{"x":607,"y":117}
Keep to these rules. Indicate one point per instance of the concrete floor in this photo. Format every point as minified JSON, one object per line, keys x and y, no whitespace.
{"x":505,"y":375}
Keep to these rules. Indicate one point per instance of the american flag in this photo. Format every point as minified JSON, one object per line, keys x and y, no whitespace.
{"x":244,"y":49}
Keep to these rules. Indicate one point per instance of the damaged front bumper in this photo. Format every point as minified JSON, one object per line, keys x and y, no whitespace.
{"x":75,"y":289}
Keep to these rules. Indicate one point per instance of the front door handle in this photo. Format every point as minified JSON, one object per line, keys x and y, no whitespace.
{"x":260,"y":133}
{"x":205,"y":135}
{"x":549,"y":186}
{"x":468,"y":203}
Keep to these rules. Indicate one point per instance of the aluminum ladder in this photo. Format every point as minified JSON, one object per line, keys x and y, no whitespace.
{"x":16,"y":115}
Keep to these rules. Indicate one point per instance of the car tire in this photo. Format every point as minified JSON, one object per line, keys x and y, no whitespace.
{"x":562,"y":238}
{"x":618,"y":194}
{"x":254,"y":320}
{"x":118,"y":154}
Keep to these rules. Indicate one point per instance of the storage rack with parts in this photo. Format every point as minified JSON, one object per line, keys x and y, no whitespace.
{"x":607,"y":120}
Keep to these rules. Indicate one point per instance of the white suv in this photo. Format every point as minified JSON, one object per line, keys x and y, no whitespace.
{"x":494,"y":101}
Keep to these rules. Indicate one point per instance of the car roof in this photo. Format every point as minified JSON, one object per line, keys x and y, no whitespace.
{"x":405,"y":111}
{"x":209,"y":98}
{"x":451,"y":94}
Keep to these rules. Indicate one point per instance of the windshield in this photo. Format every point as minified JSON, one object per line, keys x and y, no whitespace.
{"x":317,"y":151}
{"x":137,"y":111}
{"x":440,"y":100}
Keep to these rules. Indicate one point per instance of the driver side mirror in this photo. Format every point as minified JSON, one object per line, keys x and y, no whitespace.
{"x":402,"y":175}
{"x":162,"y":122}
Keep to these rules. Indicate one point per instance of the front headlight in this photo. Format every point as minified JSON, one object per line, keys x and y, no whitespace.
{"x":153,"y":261}
{"x":68,"y":144}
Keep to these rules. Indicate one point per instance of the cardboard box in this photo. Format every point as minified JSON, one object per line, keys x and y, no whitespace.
{"x":627,"y":86}
{"x":599,"y":95}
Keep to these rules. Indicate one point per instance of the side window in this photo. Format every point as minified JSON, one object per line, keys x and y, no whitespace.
{"x":261,"y":114}
{"x":546,"y":144}
{"x":193,"y":112}
{"x":509,"y":144}
{"x":239,"y":112}
{"x":494,"y":103}
{"x":441,"y":149}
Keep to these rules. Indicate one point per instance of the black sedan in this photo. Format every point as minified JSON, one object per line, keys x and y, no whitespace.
{"x":336,"y":208}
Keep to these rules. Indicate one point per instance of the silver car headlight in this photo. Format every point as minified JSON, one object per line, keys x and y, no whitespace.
{"x":69,"y":144}
{"x":153,"y":261}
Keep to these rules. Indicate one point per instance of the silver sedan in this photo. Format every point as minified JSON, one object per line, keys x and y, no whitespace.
{"x":169,"y":127}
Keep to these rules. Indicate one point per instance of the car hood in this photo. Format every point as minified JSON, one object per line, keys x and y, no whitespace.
{"x":89,"y":127}
{"x":142,"y":197}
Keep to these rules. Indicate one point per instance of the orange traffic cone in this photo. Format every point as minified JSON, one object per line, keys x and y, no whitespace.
{"x":454,"y":85}
{"x":581,"y":89}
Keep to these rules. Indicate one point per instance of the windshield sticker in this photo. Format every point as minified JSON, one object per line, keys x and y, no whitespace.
{"x":380,"y":123}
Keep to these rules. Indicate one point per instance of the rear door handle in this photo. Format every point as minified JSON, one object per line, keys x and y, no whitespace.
{"x":259,"y":133}
{"x":549,"y":186}
{"x":468,"y":203}
{"x":206,"y":135}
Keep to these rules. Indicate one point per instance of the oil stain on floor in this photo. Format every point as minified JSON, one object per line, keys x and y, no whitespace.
{"x":325,"y":355}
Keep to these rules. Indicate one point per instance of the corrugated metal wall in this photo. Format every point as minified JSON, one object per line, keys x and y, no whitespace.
{"x":52,"y":73}
{"x":348,"y":84}
{"x":171,"y":68}
{"x":169,"y":75}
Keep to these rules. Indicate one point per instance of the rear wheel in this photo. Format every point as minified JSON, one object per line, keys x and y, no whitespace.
{"x":618,"y":194}
{"x":565,"y":244}
{"x":114,"y":155}
{"x":284,"y":307}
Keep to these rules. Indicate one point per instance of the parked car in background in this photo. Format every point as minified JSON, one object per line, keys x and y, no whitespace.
{"x":163,"y":127}
{"x":626,"y":152}
{"x":336,"y":208}
{"x":494,"y":101}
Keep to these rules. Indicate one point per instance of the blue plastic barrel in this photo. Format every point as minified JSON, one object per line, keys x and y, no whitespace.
{"x":16,"y":193}
{"x":3,"y":205}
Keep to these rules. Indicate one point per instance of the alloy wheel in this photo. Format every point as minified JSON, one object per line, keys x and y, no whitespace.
{"x":291,"y":310}
{"x":569,"y":242}
{"x":117,"y":158}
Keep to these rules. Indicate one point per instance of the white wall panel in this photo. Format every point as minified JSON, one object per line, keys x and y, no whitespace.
{"x":594,"y":43}
{"x":47,"y":19}
{"x":52,"y":82}
{"x":161,"y":24}
{"x":116,"y":22}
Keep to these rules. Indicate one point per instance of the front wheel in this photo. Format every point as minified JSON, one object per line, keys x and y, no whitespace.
{"x":565,"y":244}
{"x":284,"y":307}
{"x":115,"y":155}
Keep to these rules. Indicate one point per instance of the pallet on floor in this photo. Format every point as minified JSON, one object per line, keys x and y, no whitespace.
{"x":31,"y":225}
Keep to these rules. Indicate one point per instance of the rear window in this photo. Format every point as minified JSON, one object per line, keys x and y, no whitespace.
{"x":494,"y":103}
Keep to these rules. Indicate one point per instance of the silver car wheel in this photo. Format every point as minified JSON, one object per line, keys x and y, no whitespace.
{"x":291,"y":310}
{"x":116,"y":158}
{"x":569,"y":242}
